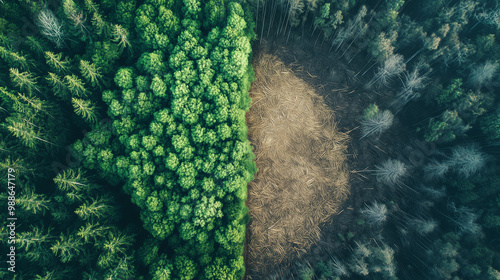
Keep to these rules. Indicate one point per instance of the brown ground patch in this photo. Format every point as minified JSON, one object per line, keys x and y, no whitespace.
{"x":302,"y":179}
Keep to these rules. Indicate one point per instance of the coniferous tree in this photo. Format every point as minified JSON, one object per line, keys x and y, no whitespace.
{"x":85,"y":109}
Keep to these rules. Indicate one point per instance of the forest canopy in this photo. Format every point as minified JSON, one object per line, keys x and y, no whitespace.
{"x":119,"y":102}
{"x":126,"y":156}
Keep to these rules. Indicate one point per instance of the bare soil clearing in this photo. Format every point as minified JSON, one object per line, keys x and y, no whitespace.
{"x":301,"y":155}
{"x":336,"y":78}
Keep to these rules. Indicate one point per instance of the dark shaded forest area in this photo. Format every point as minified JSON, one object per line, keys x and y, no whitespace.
{"x":126,"y":151}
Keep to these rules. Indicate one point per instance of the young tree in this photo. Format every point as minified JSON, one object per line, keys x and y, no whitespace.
{"x":67,"y":247}
{"x":85,"y":109}
{"x":467,"y":160}
{"x":33,"y":203}
{"x":59,"y":88}
{"x":435,"y":170}
{"x":446,"y":127}
{"x":14,"y":59}
{"x":71,"y":180}
{"x":466,"y":220}
{"x":433,"y":193}
{"x":490,"y":125}
{"x":123,"y":269}
{"x":124,"y":78}
{"x":77,"y":19}
{"x":25,"y":131}
{"x":75,"y":85}
{"x":121,"y":36}
{"x":97,"y":208}
{"x":24,"y":80}
{"x":381,"y":48}
{"x":56,"y":62}
{"x":185,"y":268}
{"x":116,"y":243}
{"x":306,"y":272}
{"x":375,"y":121}
{"x":381,"y":263}
{"x":412,"y":84}
{"x":35,"y":237}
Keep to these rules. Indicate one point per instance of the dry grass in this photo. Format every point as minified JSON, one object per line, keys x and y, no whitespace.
{"x":302,"y":178}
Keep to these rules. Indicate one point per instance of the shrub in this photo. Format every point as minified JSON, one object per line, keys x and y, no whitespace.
{"x":435,"y":170}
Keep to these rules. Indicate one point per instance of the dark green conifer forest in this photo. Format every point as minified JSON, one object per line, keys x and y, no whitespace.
{"x":125,"y":154}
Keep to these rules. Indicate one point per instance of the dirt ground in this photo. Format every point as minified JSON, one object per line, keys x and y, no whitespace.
{"x":302,"y":178}
{"x":275,"y":246}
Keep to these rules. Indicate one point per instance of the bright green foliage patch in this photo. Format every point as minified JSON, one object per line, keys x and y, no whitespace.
{"x":178,"y":137}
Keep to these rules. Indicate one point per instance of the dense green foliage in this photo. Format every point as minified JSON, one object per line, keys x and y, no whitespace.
{"x":159,"y":90}
{"x":178,"y":135}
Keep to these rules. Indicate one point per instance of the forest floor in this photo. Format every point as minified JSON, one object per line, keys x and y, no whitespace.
{"x":313,"y":170}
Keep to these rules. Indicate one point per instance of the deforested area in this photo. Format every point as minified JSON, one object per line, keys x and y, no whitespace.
{"x":123,"y":138}
{"x":302,"y":178}
{"x":415,"y":87}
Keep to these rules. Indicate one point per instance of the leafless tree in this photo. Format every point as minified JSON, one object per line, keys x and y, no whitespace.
{"x":51,"y":27}
{"x":482,"y":74}
{"x":491,"y":17}
{"x":435,"y":170}
{"x":375,"y":214}
{"x":393,"y":66}
{"x":338,"y":268}
{"x":377,"y":124}
{"x":467,"y":160}
{"x":354,"y":27}
{"x":391,"y":172}
{"x":423,"y":226}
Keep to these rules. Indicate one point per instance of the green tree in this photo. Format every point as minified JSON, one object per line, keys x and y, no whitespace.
{"x":67,"y":247}
{"x":85,"y":109}
{"x":90,"y":72}
{"x":56,"y":62}
{"x":51,"y":27}
{"x":33,"y":203}
{"x":96,"y":208}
